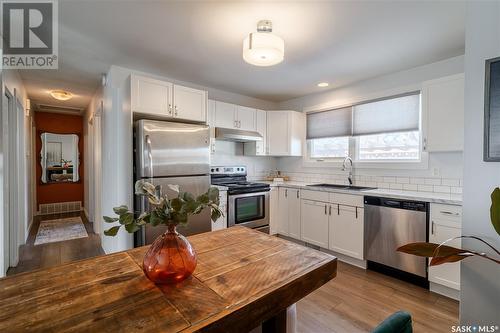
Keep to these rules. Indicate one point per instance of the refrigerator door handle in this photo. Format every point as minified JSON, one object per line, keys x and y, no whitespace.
{"x":150,"y":155}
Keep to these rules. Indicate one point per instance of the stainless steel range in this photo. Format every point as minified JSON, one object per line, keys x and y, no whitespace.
{"x":248,"y":202}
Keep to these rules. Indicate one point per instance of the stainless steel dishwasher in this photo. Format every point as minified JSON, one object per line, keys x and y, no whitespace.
{"x":390,"y":223}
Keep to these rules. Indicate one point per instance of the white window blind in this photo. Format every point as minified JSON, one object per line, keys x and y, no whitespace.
{"x":397,"y":114}
{"x":329,"y":124}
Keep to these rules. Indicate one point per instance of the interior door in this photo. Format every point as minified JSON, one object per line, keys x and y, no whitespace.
{"x":190,"y":104}
{"x":196,"y":223}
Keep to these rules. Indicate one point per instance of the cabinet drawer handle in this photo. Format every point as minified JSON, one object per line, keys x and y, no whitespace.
{"x":425,"y":144}
{"x":338,"y":209}
{"x":175,"y":108}
{"x":286,"y":193}
{"x":297,"y":194}
{"x":170,"y":109}
{"x":432,"y":228}
{"x":330,"y":211}
{"x":356,"y":212}
{"x":325,"y":209}
{"x":449,"y":213}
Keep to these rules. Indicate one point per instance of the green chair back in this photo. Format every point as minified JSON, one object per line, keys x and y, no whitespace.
{"x":399,"y":322}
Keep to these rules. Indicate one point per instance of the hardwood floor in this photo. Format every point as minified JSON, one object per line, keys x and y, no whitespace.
{"x":358,"y":300}
{"x":33,"y":257}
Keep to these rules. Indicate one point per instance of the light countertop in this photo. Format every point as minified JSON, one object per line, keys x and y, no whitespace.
{"x":444,"y":198}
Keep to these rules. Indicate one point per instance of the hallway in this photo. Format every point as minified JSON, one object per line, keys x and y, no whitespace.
{"x":33,"y":257}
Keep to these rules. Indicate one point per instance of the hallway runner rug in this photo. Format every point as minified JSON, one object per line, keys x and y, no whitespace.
{"x":59,"y":230}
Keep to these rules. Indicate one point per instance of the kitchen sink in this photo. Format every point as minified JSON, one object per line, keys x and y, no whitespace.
{"x":344,"y":187}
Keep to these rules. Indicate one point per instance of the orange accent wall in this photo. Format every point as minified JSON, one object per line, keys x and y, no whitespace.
{"x":59,"y":124}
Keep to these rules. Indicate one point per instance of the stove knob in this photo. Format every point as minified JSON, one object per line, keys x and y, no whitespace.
{"x":212,"y":170}
{"x":217,"y":169}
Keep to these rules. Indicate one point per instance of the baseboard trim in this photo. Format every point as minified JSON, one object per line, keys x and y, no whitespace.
{"x":445,"y":291}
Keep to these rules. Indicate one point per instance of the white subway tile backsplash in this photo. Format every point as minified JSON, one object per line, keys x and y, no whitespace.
{"x":396,"y":186}
{"x":403,"y":180}
{"x":418,"y":181}
{"x":410,"y":187}
{"x":442,"y":189}
{"x":450,"y":182}
{"x":403,"y":183}
{"x":389,"y":179}
{"x":432,"y":181}
{"x":425,"y":188}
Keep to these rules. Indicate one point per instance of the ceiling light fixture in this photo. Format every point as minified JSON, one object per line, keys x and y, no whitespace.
{"x":61,"y":95}
{"x":323,"y":84}
{"x":262,"y":48}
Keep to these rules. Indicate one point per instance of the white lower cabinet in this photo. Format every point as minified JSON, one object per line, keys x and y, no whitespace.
{"x":314,"y":222}
{"x":346,"y":231}
{"x":445,"y":223}
{"x":273,"y":210}
{"x":289,"y":212}
{"x":221,"y":222}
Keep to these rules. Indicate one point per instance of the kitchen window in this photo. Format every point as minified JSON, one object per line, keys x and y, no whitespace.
{"x":381,"y":130}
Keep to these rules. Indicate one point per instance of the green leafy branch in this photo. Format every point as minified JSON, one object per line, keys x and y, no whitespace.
{"x":164,"y":211}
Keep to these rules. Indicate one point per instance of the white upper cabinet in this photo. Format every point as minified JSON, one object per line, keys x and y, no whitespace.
{"x":443,"y":114}
{"x":246,"y":118}
{"x":151,"y":96}
{"x":285,"y":133}
{"x":225,"y":115}
{"x":259,"y":147}
{"x":234,"y":116}
{"x":164,"y":99}
{"x":190,"y":103}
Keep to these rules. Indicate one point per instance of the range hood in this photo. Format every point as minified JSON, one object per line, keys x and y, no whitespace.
{"x":230,"y":134}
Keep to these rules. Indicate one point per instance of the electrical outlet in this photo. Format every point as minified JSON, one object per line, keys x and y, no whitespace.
{"x":436,"y":172}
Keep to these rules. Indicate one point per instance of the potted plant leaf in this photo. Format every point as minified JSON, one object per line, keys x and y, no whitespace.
{"x":442,"y":253}
{"x":170,"y":258}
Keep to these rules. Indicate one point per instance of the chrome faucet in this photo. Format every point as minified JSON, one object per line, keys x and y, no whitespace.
{"x":344,"y":168}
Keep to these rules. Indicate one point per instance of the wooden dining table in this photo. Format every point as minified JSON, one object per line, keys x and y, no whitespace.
{"x":244,"y":278}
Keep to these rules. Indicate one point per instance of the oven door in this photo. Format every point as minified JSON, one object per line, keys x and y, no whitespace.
{"x":248,"y":209}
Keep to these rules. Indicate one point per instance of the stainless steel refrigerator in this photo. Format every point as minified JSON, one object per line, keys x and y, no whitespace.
{"x":172,"y":153}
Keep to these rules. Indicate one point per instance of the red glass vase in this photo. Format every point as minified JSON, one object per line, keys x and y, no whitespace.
{"x":170,"y":259}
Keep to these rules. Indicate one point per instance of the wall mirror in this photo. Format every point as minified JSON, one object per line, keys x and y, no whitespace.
{"x":60,"y":158}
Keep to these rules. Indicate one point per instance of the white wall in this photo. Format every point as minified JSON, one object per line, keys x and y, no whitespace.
{"x":480,"y":280}
{"x":448,"y":165}
{"x":231,"y":153}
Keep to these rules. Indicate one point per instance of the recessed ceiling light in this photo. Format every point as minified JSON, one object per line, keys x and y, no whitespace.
{"x":323,"y":84}
{"x":61,"y":95}
{"x":262,"y":48}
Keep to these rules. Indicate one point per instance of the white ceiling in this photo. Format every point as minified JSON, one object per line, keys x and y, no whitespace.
{"x":201,"y":42}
